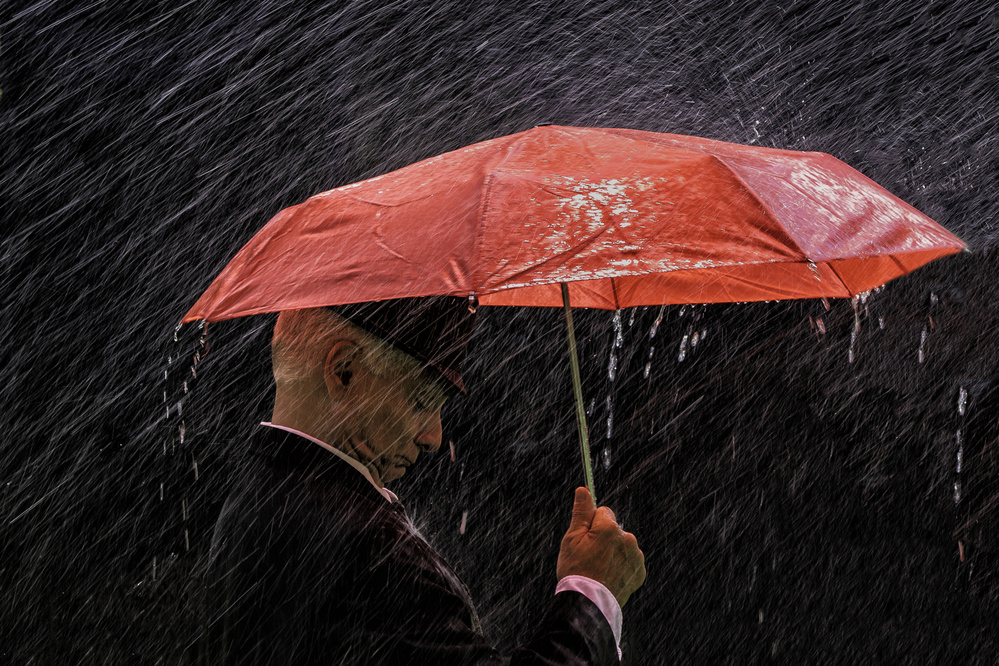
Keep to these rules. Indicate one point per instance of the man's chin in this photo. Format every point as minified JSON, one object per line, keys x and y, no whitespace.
{"x":393,"y":473}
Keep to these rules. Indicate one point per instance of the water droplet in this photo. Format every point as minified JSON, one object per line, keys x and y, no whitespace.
{"x":694,"y":339}
{"x":605,"y":458}
{"x":683,"y":348}
{"x":194,"y":464}
{"x":464,"y":522}
{"x":853,"y":339}
{"x":185,"y":387}
{"x":618,"y":342}
{"x":962,"y":400}
{"x":161,"y":492}
{"x":648,"y":367}
{"x":473,"y":305}
{"x":610,"y":416}
{"x":180,"y":431}
{"x":618,"y":329}
{"x":820,"y":325}
{"x":881,"y":323}
{"x":655,"y":324}
{"x":631,"y":319}
{"x":957,"y":491}
{"x":922,"y":345}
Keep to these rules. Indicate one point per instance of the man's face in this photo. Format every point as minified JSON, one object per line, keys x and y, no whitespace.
{"x":391,"y":419}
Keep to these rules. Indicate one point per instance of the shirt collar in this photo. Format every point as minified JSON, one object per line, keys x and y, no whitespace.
{"x":384,"y":492}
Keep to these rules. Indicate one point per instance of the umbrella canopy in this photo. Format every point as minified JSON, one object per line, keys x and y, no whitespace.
{"x":624,"y":217}
{"x":604,"y":218}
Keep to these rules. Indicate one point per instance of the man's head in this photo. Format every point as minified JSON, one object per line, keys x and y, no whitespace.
{"x":345,"y":386}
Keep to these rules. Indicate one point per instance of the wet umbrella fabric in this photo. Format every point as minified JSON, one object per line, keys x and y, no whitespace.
{"x":624,"y":217}
{"x":604,"y":218}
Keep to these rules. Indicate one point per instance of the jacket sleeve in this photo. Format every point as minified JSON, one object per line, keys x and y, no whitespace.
{"x":443,"y":628}
{"x":573,"y":631}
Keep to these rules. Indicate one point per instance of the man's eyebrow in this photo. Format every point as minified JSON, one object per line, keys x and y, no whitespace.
{"x":430,"y":389}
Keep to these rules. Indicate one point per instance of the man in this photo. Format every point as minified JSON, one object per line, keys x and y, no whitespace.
{"x":314,"y":561}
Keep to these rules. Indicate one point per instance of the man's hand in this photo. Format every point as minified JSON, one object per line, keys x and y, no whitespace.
{"x":596,"y":547}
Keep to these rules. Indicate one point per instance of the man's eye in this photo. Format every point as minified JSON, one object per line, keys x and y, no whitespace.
{"x":427,"y":404}
{"x":421,"y":404}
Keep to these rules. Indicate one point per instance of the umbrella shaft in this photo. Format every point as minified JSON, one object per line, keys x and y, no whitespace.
{"x":577,"y":389}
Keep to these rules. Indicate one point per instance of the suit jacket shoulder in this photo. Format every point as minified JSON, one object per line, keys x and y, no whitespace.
{"x":310,"y":564}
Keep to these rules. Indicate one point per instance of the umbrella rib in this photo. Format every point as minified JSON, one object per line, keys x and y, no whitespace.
{"x":840,"y":278}
{"x":617,"y":301}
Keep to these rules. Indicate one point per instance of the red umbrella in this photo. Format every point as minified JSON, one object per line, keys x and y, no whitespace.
{"x":608,"y":218}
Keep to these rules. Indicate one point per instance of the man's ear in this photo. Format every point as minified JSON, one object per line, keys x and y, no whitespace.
{"x":339,"y":367}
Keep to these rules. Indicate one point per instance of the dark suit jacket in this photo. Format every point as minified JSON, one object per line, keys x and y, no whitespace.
{"x":311,"y":565}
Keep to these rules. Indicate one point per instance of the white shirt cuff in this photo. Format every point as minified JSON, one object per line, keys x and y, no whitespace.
{"x":601,"y":596}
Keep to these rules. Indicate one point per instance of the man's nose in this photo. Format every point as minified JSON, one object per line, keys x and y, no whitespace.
{"x":431,"y":433}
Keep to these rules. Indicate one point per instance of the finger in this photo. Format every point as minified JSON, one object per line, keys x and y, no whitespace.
{"x":582,"y":510}
{"x":603,"y":519}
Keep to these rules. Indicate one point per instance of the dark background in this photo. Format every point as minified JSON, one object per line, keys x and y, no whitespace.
{"x":793,"y":506}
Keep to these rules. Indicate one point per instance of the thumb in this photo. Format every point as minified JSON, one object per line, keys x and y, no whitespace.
{"x":582,"y":510}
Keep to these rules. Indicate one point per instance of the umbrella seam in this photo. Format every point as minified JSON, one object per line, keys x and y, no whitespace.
{"x":489,"y":179}
{"x":477,"y":278}
{"x":840,"y":277}
{"x":898,"y":263}
{"x":766,"y":209}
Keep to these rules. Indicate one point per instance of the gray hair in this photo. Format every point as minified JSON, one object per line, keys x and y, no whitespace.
{"x":303,"y":338}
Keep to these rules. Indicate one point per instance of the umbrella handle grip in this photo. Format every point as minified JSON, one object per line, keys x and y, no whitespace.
{"x":577,"y":389}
